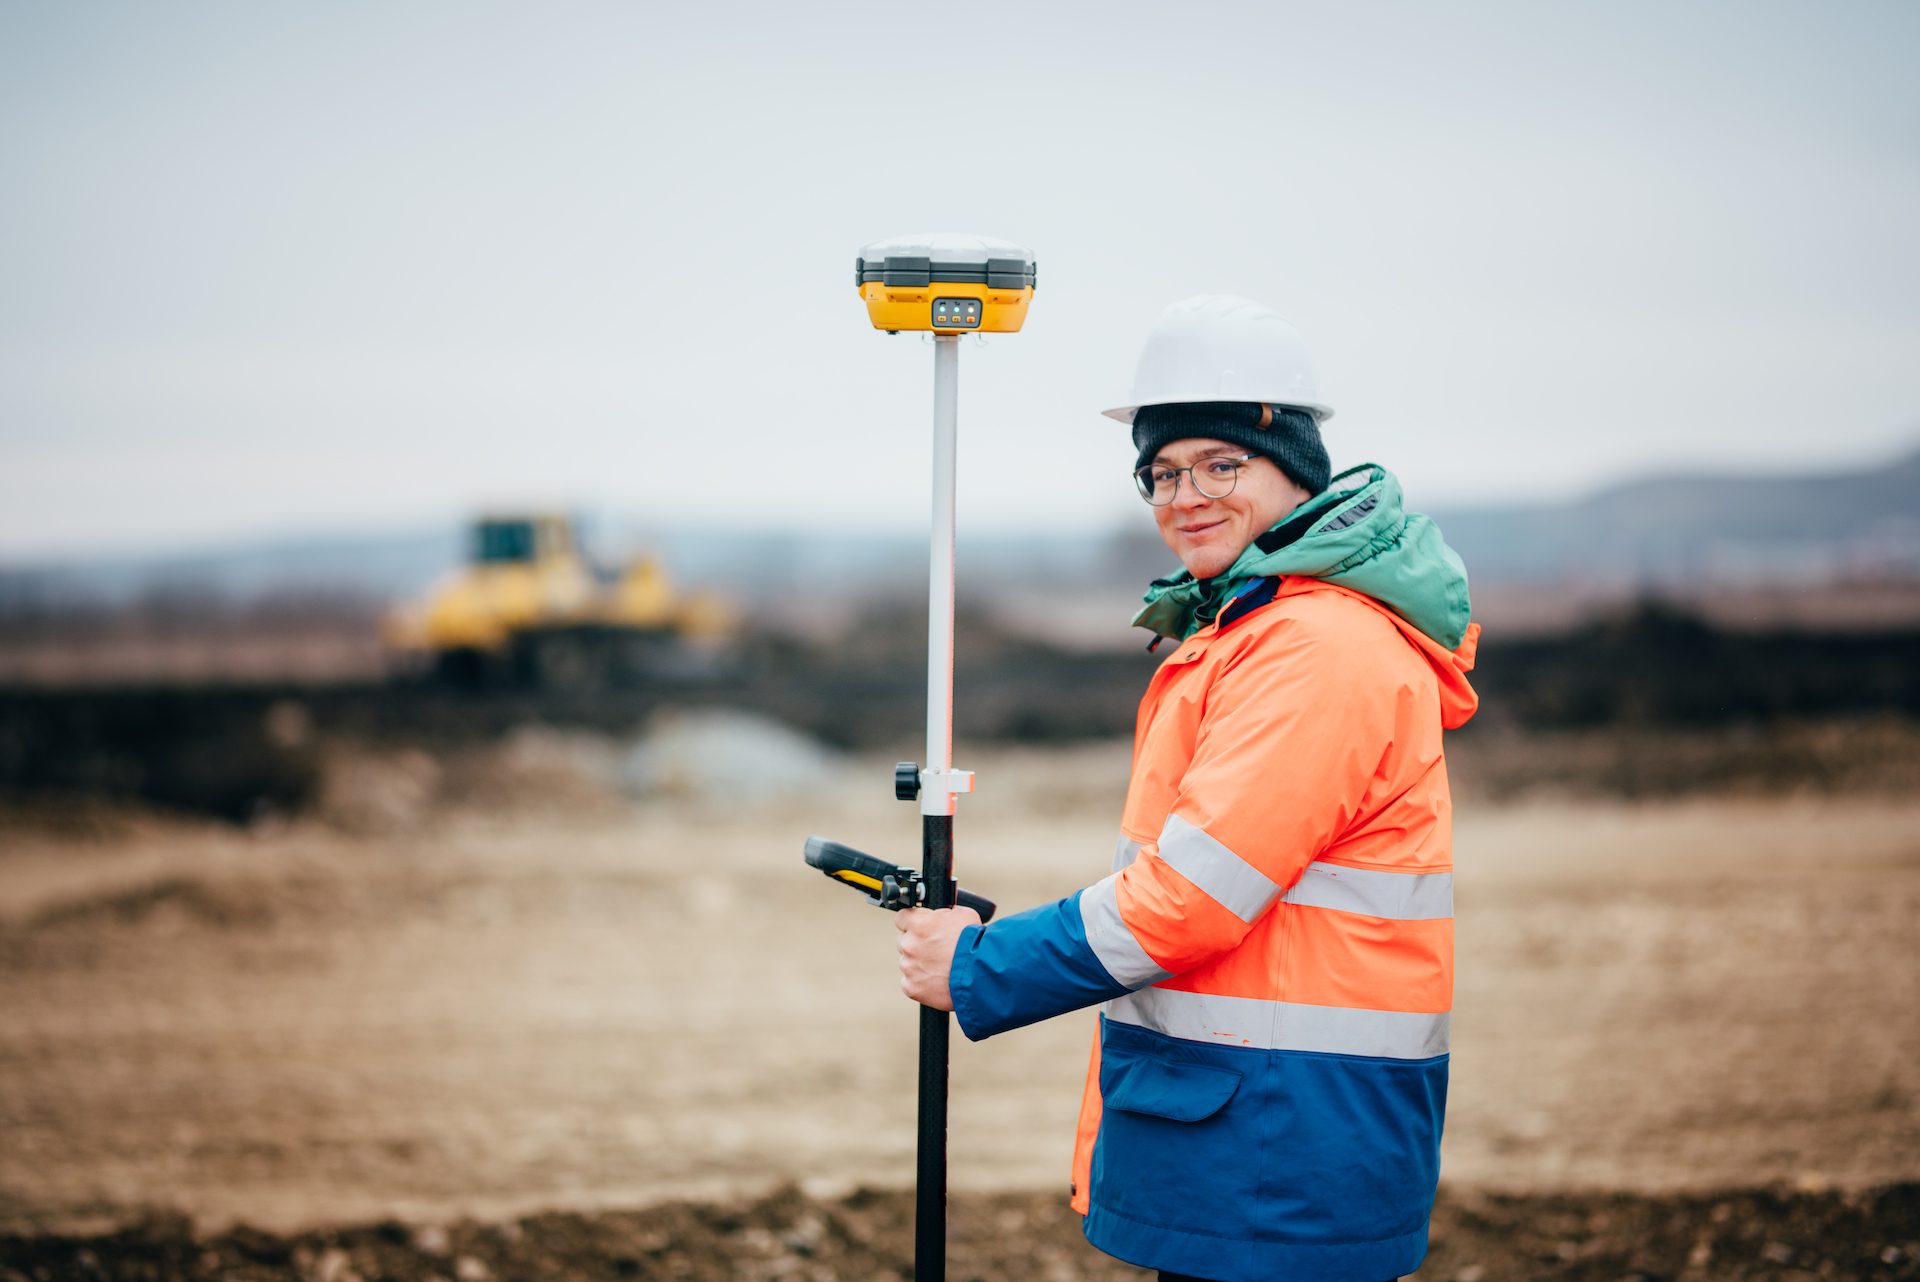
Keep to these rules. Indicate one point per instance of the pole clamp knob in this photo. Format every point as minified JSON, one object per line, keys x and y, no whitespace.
{"x":906,"y":780}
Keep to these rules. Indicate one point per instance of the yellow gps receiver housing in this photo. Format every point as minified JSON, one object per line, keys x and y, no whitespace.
{"x":945,"y":283}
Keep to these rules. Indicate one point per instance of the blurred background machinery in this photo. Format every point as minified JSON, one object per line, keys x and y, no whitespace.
{"x":532,"y":609}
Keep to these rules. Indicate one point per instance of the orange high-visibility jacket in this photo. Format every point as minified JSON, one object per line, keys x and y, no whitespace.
{"x":1274,"y":949}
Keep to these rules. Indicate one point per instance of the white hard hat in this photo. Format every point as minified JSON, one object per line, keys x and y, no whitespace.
{"x":1219,"y":347}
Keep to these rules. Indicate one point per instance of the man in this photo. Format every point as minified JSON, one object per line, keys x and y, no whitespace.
{"x":1275,"y":945}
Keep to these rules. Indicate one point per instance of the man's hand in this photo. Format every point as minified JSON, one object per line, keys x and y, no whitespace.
{"x":928,"y":938}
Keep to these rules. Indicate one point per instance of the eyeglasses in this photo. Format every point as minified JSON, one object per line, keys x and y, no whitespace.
{"x":1213,"y":478}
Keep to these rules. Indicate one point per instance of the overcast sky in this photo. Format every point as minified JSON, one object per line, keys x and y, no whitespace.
{"x":276,"y":268}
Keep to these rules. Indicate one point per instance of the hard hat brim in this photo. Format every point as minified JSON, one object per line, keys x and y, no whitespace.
{"x":1124,"y":413}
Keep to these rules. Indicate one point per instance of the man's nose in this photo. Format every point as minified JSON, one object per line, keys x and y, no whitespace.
{"x":1186,"y":493}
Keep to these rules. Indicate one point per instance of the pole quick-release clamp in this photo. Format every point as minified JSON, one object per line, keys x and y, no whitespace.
{"x":946,"y":781}
{"x":939,"y":788}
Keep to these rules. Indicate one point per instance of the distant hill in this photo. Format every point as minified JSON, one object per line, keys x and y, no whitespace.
{"x":401,"y":565}
{"x":1729,"y":531}
{"x":1726,"y":531}
{"x":360,"y":565}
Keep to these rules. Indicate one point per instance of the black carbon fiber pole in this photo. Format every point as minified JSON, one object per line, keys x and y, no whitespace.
{"x":930,"y":1172}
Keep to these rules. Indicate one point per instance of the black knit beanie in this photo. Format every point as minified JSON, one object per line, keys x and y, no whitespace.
{"x":1291,"y":439}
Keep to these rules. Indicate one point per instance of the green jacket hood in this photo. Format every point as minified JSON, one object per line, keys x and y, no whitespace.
{"x":1354,"y":533}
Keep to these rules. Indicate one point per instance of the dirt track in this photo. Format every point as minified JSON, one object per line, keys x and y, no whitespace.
{"x":609,"y":1008}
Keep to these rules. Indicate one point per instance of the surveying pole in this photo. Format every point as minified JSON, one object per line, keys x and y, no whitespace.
{"x":946,"y":285}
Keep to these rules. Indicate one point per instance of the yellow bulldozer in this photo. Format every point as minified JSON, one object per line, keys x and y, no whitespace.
{"x":530,"y":609}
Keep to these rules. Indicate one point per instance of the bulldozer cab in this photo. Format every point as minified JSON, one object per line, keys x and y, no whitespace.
{"x":521,"y":540}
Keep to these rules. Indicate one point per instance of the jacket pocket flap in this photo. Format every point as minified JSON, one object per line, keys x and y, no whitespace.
{"x":1178,"y":1092}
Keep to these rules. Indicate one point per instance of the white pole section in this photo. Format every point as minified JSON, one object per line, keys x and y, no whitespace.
{"x":939,"y":800}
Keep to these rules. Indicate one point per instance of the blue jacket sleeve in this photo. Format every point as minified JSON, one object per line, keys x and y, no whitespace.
{"x":1026,"y":968}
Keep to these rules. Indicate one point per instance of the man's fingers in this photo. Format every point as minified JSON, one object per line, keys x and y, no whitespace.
{"x":926,"y":951}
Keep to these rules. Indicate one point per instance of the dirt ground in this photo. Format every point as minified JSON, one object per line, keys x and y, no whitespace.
{"x":787,"y":1235}
{"x":605,"y":1029}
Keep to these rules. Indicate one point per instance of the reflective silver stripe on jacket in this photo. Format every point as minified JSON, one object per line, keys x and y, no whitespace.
{"x":1403,"y":895}
{"x":1284,"y":1026}
{"x":1126,"y":852}
{"x":1110,"y":939}
{"x":1240,"y":888}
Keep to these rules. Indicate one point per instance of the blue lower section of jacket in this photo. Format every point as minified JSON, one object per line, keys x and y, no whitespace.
{"x":1224,"y":1162}
{"x":1026,"y":968}
{"x":1248,"y":1165}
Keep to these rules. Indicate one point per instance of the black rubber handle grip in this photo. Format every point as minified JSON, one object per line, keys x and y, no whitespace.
{"x":979,"y":903}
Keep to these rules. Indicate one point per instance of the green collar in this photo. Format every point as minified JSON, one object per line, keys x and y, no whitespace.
{"x":1354,"y":534}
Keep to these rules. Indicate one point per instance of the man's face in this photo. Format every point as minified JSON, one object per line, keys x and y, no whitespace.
{"x":1208,"y":535}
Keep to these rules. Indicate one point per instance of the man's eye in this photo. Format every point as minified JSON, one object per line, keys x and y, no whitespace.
{"x":1220,"y":469}
{"x":1163,"y":475}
